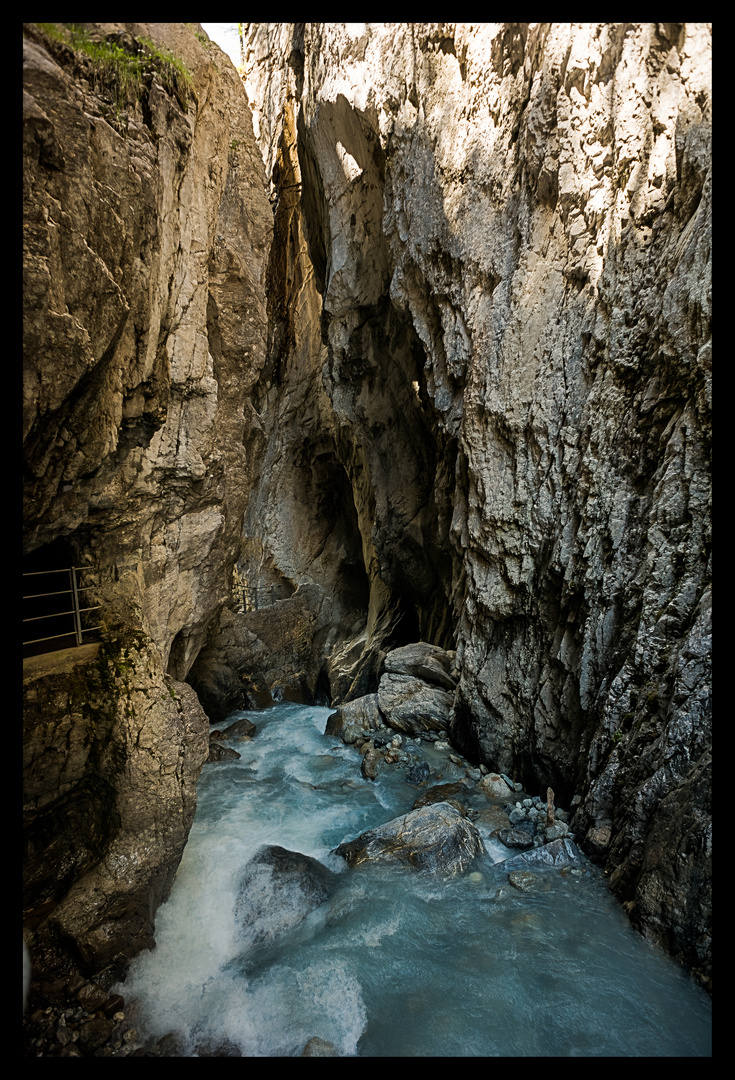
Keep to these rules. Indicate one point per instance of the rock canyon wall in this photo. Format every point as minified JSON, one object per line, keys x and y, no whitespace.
{"x":146,"y":236}
{"x":490,"y":333}
{"x":453,"y":384}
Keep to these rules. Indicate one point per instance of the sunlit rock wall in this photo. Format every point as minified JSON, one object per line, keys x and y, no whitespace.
{"x":490,"y":342}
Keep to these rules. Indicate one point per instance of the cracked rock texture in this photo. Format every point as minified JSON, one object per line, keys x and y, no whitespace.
{"x":452,"y":386}
{"x":487,"y":401}
{"x":146,"y":235}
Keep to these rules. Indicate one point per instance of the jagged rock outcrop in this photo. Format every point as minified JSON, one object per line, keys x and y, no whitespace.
{"x":112,"y":750}
{"x":146,"y":236}
{"x":490,"y":301}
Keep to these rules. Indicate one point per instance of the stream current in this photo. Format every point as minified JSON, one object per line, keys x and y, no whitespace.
{"x":395,"y":963}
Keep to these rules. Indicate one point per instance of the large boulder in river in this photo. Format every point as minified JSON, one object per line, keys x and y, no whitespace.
{"x":436,"y":838}
{"x":277,"y":890}
{"x":349,"y":721}
{"x":423,"y":661}
{"x":240,"y":729}
{"x":412,"y":706}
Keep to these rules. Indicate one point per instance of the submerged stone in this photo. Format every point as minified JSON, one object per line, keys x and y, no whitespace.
{"x":418,"y":774}
{"x":525,"y":881}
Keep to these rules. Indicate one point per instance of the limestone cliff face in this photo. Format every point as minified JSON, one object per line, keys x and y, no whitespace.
{"x":146,"y":229}
{"x":486,"y":401}
{"x":452,"y":384}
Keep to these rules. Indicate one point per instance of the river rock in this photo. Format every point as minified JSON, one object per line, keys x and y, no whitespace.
{"x":495,"y":786}
{"x":242,"y":728}
{"x":317,"y":1047}
{"x":370,"y":764}
{"x":412,"y":706}
{"x":352,"y":719}
{"x":557,"y":853}
{"x":441,"y":793}
{"x":426,"y":662}
{"x":277,"y":890}
{"x":515,"y":838}
{"x":493,"y":817}
{"x":437,"y":839}
{"x":557,"y":831}
{"x":221,"y":753}
{"x":526,"y":881}
{"x":418,"y":774}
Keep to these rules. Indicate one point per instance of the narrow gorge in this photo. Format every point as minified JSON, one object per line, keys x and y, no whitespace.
{"x":399,"y":333}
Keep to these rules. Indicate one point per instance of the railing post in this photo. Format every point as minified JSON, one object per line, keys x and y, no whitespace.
{"x":75,"y":598}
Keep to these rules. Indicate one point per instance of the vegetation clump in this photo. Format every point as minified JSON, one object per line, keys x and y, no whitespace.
{"x":121,"y":65}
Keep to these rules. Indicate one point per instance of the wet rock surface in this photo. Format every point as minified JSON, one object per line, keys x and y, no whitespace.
{"x":436,"y":839}
{"x":452,"y":385}
{"x":503,"y":245}
{"x":277,"y":890}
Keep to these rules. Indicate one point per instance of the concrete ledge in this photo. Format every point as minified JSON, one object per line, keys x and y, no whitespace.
{"x":56,"y":663}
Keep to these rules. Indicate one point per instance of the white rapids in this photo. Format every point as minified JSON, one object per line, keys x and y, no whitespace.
{"x":394,"y":964}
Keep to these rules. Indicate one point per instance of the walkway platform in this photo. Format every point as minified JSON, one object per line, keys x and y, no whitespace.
{"x":59,"y":662}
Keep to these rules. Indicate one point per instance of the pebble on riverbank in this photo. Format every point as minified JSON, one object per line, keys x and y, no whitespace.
{"x":77,"y":1018}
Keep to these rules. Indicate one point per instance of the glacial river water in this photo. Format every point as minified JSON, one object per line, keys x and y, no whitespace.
{"x":394,"y":963}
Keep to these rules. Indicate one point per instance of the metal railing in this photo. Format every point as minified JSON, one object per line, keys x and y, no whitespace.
{"x":76,"y":611}
{"x":252,"y":598}
{"x":251,"y":595}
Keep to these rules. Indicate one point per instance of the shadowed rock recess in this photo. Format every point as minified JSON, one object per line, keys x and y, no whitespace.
{"x":404,"y":336}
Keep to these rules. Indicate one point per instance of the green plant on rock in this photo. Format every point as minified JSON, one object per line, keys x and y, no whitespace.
{"x":119,"y":72}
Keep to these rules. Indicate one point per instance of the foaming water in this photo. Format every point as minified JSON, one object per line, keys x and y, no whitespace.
{"x":393,"y":963}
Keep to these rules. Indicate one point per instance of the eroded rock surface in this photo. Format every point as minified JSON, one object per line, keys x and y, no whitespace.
{"x":112,"y":752}
{"x":435,"y":839}
{"x":146,"y":234}
{"x":491,"y":336}
{"x":453,"y":385}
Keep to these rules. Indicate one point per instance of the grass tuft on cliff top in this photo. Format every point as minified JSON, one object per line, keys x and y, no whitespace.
{"x":120,"y":72}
